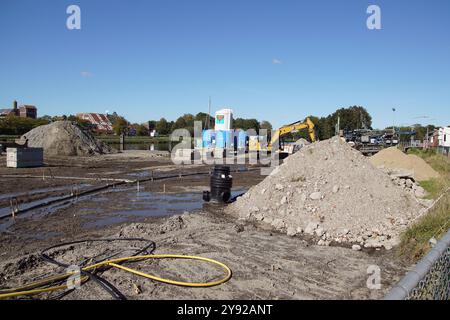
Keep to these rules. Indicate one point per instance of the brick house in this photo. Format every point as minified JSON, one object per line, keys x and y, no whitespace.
{"x":24,"y":111}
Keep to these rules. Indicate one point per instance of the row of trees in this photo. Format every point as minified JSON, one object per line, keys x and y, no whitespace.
{"x":355,"y":117}
{"x":13,"y":125}
{"x":420,"y":131}
{"x":186,"y":121}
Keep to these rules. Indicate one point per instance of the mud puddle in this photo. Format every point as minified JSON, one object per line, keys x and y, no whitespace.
{"x":116,"y":206}
{"x":142,"y":205}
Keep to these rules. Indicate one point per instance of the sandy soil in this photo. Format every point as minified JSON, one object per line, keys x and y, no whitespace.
{"x":265,"y":263}
{"x":395,"y":159}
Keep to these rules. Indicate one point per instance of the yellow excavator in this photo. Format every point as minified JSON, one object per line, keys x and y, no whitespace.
{"x":255,"y":145}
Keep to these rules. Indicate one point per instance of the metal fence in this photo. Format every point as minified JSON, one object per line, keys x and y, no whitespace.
{"x":430,"y":279}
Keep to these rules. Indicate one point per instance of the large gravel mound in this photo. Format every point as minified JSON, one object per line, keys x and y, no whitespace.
{"x":64,"y":138}
{"x":332,"y":192}
{"x":394,"y":159}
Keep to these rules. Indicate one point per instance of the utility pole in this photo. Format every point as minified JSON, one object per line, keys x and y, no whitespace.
{"x":393,"y":120}
{"x":209,"y":114}
{"x":338,"y":126}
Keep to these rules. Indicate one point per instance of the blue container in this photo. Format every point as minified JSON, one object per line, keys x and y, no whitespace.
{"x":220,"y":139}
{"x":207,"y":138}
{"x":242,"y":139}
{"x":229,"y":139}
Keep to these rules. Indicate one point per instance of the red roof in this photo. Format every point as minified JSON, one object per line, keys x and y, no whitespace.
{"x":101,"y":121}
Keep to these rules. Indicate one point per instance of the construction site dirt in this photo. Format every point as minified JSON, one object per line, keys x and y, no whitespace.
{"x":167,"y":208}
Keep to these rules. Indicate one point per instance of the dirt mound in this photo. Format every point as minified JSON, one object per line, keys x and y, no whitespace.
{"x":331,"y":192}
{"x":394,"y":159}
{"x":64,"y":138}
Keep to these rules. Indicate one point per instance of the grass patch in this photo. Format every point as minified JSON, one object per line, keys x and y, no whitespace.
{"x":133,"y":139}
{"x":437,"y":161}
{"x":441,"y":164}
{"x":434,"y":187}
{"x":10,"y":138}
{"x":415,"y":240}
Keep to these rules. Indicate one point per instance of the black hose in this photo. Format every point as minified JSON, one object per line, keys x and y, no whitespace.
{"x":103,"y":283}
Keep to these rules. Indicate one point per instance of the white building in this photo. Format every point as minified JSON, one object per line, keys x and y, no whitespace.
{"x":444,"y":137}
{"x":223,"y":120}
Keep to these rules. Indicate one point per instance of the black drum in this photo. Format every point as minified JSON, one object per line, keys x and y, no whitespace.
{"x":220,"y":184}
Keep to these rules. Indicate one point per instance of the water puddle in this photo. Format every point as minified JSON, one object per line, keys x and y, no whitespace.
{"x":116,"y":206}
{"x":141,"y":205}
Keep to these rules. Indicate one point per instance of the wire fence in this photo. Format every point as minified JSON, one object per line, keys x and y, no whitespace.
{"x":430,"y":279}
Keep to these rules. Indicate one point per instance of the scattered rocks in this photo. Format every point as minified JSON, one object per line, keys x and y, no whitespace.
{"x":291,"y":231}
{"x":173,"y":223}
{"x":407,"y":183}
{"x":311,"y":228}
{"x":356,"y":247}
{"x":238,"y":228}
{"x":319,"y":232}
{"x":420,"y":192}
{"x":346,"y":194}
{"x":315,"y":196}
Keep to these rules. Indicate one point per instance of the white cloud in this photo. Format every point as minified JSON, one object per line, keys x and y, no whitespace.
{"x":86,"y":74}
{"x":276,"y":61}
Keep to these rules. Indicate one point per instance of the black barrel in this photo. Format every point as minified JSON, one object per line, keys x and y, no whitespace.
{"x":220,"y":183}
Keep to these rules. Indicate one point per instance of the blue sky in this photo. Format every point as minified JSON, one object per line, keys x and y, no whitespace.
{"x":272,"y":60}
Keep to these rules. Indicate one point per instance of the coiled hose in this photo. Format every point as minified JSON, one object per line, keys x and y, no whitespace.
{"x":53,"y":283}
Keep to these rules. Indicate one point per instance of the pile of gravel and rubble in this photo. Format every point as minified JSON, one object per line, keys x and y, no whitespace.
{"x":393,"y":159}
{"x":65,"y":138}
{"x":332,"y":193}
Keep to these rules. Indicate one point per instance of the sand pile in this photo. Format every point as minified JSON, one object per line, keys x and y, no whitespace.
{"x":394,"y":159}
{"x":330,"y":191}
{"x":64,"y":138}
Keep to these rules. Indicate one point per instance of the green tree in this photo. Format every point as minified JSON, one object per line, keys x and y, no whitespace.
{"x":120,"y":125}
{"x":351,"y":118}
{"x":203,"y":117}
{"x":13,"y":125}
{"x":265,"y":125}
{"x":163,"y":127}
{"x":186,"y":121}
{"x":152,"y":124}
{"x":141,"y":130}
{"x":246,"y":124}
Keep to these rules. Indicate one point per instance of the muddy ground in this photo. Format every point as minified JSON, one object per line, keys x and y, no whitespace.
{"x":170,"y":212}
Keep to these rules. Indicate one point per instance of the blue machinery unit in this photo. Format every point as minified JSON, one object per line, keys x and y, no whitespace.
{"x":224,"y":139}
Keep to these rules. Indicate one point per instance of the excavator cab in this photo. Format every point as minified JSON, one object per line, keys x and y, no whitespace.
{"x":290,"y":128}
{"x":284,"y":150}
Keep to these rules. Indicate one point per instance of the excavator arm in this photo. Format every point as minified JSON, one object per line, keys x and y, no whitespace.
{"x":299,"y":125}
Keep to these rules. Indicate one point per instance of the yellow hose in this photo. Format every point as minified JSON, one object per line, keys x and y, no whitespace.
{"x":114,"y":263}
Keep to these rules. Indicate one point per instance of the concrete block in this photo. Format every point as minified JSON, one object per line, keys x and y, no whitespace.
{"x":24,"y":157}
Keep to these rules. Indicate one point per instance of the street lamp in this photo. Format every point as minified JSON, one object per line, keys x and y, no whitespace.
{"x":393,"y":119}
